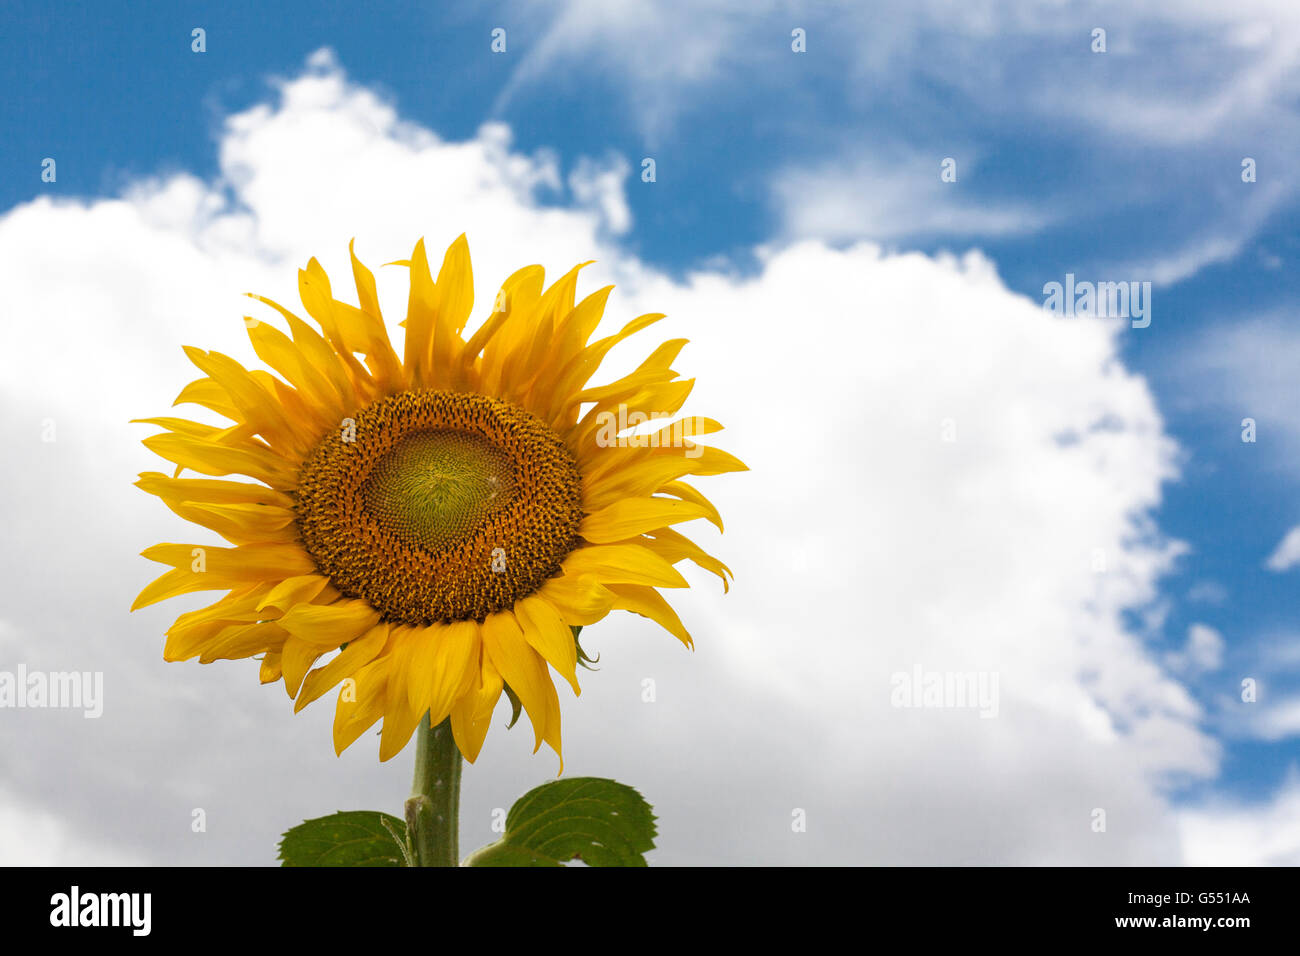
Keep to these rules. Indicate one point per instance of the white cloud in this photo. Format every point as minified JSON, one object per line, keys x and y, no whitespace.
{"x":1236,"y":834}
{"x":1287,"y":554}
{"x":1245,"y":368}
{"x":600,"y":186}
{"x":1235,"y":227}
{"x":903,"y":198}
{"x":656,"y":52}
{"x":1271,"y":719}
{"x":1207,"y":592}
{"x":1203,"y":651}
{"x":666,"y":53}
{"x":33,"y":836}
{"x":1174,"y":76}
{"x":863,"y":542}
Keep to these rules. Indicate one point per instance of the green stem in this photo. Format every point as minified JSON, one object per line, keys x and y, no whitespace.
{"x":433,"y":811}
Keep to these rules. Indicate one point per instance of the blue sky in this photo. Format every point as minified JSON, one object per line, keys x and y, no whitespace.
{"x":1115,"y":165}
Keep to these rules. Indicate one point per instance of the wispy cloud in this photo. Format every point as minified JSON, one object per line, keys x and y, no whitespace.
{"x":1287,"y":554}
{"x":896,"y":197}
{"x":1108,"y":135}
{"x":1242,"y":368}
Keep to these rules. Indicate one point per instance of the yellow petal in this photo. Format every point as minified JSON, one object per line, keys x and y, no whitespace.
{"x":689,"y":493}
{"x":546,"y":631}
{"x":318,"y":299}
{"x":270,"y":671}
{"x":442,"y":667}
{"x":256,"y":405}
{"x":297,"y":658}
{"x":579,"y":599}
{"x":633,"y":516}
{"x":518,"y":300}
{"x":623,"y":564}
{"x":360,"y":703}
{"x":370,"y":329}
{"x":313,"y":349}
{"x":650,"y":603}
{"x":522,"y":669}
{"x":211,"y":458}
{"x":675,"y":547}
{"x":471,"y":715}
{"x":241,"y":641}
{"x":209,"y":394}
{"x":517,"y":296}
{"x":323,"y":405}
{"x":357,"y":654}
{"x":421,"y":317}
{"x":367,"y":295}
{"x":211,"y":490}
{"x":183,"y":426}
{"x":400,"y":715}
{"x":173,"y":583}
{"x":455,"y":301}
{"x":254,"y":562}
{"x":610,"y":473}
{"x":240,"y":523}
{"x":205,"y":568}
{"x":582,"y":366}
{"x":329,"y":625}
{"x":299,"y":589}
{"x":192,"y":630}
{"x":530,"y":353}
{"x":570,"y":337}
{"x":193,"y":633}
{"x":648,"y":399}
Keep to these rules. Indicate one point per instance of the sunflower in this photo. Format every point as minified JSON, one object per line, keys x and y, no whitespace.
{"x":430,"y":531}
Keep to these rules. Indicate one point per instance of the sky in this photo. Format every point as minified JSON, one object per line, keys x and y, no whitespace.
{"x":858,"y":237}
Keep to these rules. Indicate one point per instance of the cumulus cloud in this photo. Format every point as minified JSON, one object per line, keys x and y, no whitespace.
{"x":1202,"y":652}
{"x":1240,"y":834}
{"x":945,"y":480}
{"x":600,"y":186}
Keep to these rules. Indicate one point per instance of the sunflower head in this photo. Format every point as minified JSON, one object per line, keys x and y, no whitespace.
{"x":429,"y":529}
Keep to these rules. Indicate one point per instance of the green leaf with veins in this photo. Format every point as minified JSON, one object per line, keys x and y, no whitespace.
{"x":598,"y":821}
{"x":348,"y":838}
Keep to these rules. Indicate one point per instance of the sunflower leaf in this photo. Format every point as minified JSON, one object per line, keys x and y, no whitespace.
{"x":347,"y":838}
{"x":600,"y":822}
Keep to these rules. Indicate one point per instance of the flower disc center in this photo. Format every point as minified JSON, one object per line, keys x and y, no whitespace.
{"x":439,"y":506}
{"x":436,"y":486}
